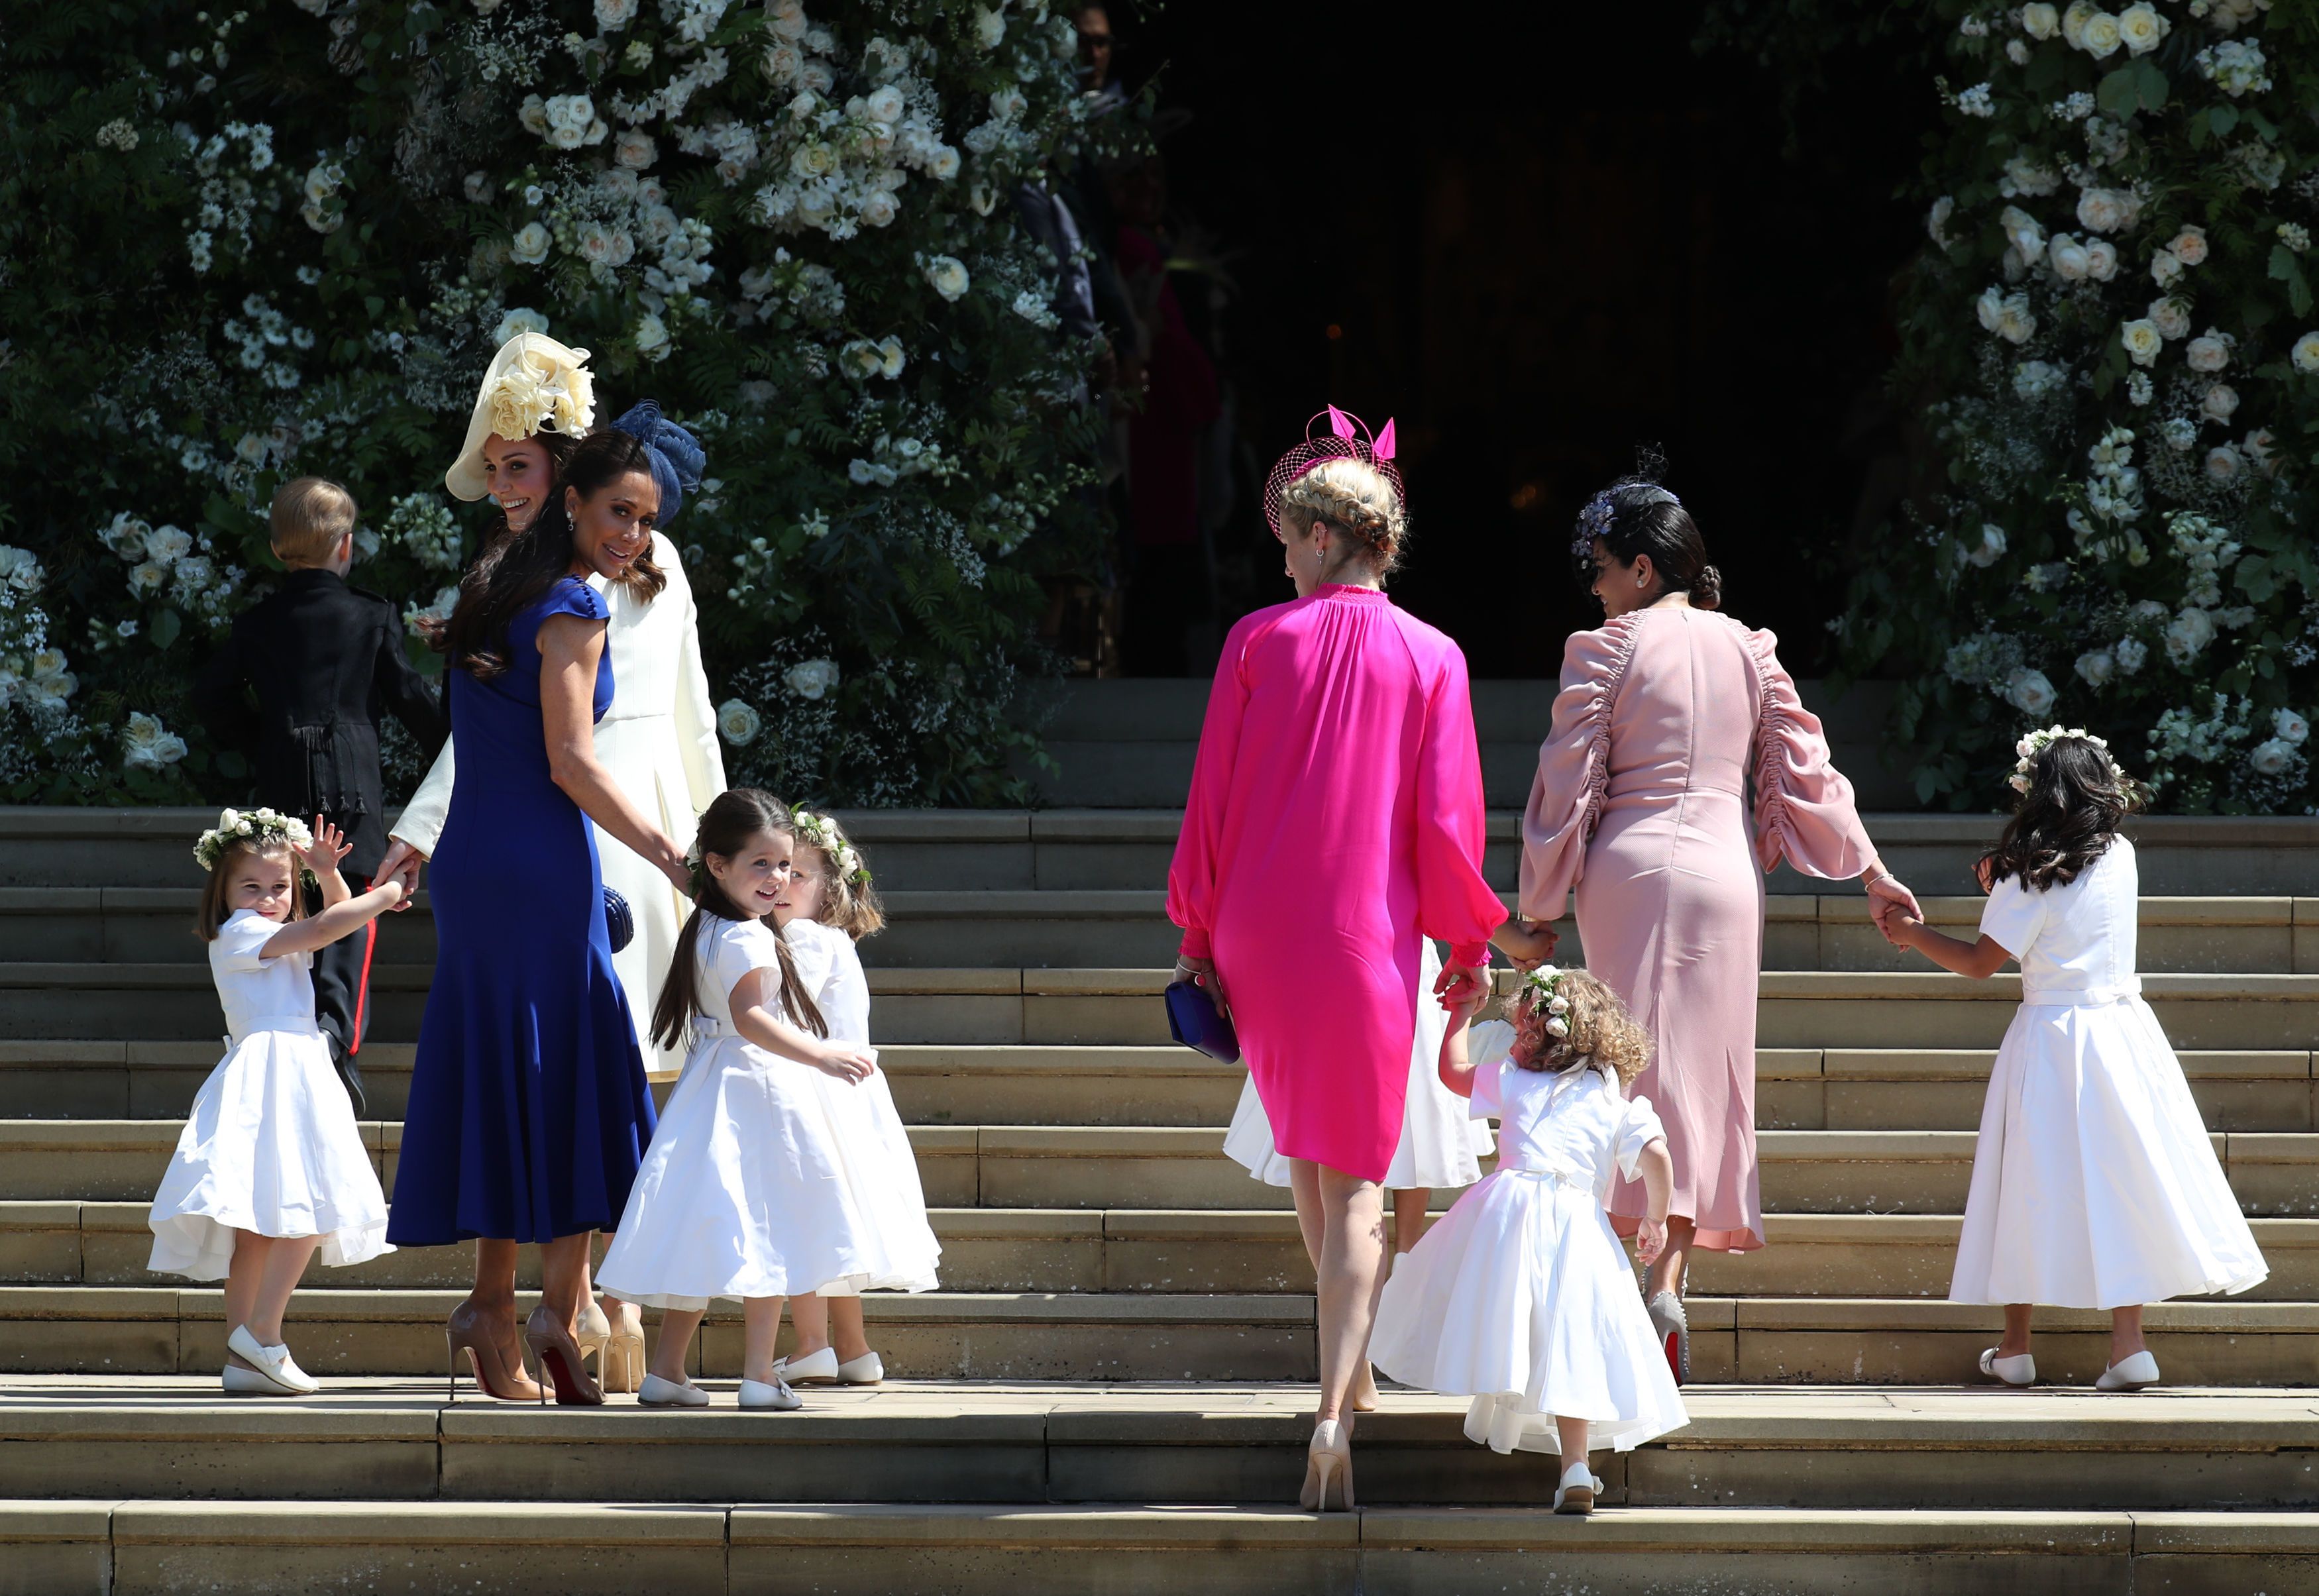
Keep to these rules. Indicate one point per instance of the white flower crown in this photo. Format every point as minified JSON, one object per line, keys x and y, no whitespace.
{"x":1542,"y":982}
{"x":822,"y":831}
{"x":2036,"y":743}
{"x":257,"y":826}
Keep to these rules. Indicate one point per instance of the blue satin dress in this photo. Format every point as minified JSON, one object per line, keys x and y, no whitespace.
{"x":529,"y":1112}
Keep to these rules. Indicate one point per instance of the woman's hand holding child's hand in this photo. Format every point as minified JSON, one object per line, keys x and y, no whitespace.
{"x":1650,"y":1240}
{"x":1526,"y":943}
{"x":846,"y":1062}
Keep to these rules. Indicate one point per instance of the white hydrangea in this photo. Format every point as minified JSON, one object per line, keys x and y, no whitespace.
{"x":812,"y":679}
{"x":2235,"y":66}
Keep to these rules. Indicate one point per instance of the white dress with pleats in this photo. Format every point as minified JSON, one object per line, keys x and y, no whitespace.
{"x":1440,"y":1147}
{"x":271,"y":1146}
{"x":1520,"y":1296}
{"x":2094,"y":1182}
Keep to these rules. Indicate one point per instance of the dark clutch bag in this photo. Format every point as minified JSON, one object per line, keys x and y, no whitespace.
{"x":1195,"y":1020}
{"x":620,"y":923}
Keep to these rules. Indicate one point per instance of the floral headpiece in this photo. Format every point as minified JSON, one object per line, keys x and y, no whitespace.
{"x":535,"y":384}
{"x":1595,"y":517}
{"x":1343,"y":441}
{"x":1541,"y":983}
{"x":822,"y":831}
{"x":259,"y":825}
{"x":2036,"y":743}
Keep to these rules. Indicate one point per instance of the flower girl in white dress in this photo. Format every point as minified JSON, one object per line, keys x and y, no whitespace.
{"x":746,"y":1191}
{"x":270,"y":1167}
{"x":830,"y":906}
{"x":1520,"y":1296}
{"x":2094,"y":1183}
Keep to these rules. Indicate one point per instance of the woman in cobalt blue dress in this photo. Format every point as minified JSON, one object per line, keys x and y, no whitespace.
{"x":529,"y":1111}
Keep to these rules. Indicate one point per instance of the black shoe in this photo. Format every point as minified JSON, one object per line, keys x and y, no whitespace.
{"x":350,"y":1073}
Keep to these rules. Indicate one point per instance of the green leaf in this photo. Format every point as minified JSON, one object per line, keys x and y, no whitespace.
{"x":166,"y":628}
{"x":2287,"y":268}
{"x":2119,"y":94}
{"x":2151,"y":83}
{"x":2222,"y":119}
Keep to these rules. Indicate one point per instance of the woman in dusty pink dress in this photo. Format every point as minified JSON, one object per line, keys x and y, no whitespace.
{"x":1335,"y":818}
{"x":1641,"y":805}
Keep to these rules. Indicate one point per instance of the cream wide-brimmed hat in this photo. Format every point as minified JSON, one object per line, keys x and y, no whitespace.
{"x":535,"y":384}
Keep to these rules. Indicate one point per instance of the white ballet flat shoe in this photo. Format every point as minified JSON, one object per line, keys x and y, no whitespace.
{"x":657,"y":1392}
{"x":776,"y":1398}
{"x":2133,"y":1374}
{"x":273,"y":1364}
{"x":1575,"y":1495}
{"x":869,"y":1369}
{"x":815,"y":1368}
{"x":2018,"y":1370}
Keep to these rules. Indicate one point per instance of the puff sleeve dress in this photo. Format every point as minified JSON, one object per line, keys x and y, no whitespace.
{"x":1641,"y":808}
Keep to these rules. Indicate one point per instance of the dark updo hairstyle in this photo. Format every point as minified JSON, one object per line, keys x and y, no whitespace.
{"x":2068,"y":817}
{"x":513,"y":572}
{"x":1636,"y":516}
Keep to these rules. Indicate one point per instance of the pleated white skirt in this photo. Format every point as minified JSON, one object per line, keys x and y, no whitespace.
{"x":1520,"y":1297}
{"x":271,"y":1147}
{"x":753,"y":1187}
{"x":1440,"y":1148}
{"x":2094,"y":1182}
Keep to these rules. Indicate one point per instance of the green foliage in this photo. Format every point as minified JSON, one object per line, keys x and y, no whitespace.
{"x":237,"y":248}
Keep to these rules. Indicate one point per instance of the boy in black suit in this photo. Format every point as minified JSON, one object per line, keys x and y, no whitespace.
{"x":299,"y":686}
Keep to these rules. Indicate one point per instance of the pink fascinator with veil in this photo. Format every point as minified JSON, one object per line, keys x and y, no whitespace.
{"x":1347,"y":439}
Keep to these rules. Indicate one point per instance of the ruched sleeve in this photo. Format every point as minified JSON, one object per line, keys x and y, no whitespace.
{"x":1192,"y":874}
{"x":1574,"y":767}
{"x":1455,"y":904}
{"x":1638,"y":1127}
{"x":1804,"y":810}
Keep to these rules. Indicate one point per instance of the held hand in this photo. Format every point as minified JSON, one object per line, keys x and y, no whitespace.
{"x":330,"y":846}
{"x":846,"y":1062}
{"x":1981,"y":871}
{"x":1887,"y":895}
{"x":672,"y":865}
{"x":1463,"y":987}
{"x":1526,"y":942}
{"x":1204,"y":971}
{"x":401,"y":861}
{"x":1650,"y":1240}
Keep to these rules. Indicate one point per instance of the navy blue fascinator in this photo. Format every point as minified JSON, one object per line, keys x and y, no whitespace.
{"x":678,"y":459}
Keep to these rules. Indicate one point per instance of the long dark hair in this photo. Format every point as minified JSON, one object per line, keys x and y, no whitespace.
{"x":1636,"y":516}
{"x":2076,"y":800}
{"x":734,"y":816}
{"x":516,"y":570}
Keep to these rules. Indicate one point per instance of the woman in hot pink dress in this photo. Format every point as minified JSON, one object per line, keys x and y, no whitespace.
{"x":1335,"y":818}
{"x":1640,"y":805}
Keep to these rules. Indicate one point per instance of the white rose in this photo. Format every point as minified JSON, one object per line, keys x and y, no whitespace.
{"x":1989,"y":548}
{"x":477,"y":186}
{"x":943,"y":164}
{"x":2103,"y":209}
{"x":150,"y":577}
{"x":2223,"y":465}
{"x":2072,"y":262}
{"x":2209,"y":353}
{"x":634,"y":150}
{"x":811,"y":678}
{"x":2100,"y":37}
{"x":652,"y":337}
{"x":612,"y":16}
{"x":947,"y":273}
{"x":2101,"y":259}
{"x":529,"y":245}
{"x":2171,"y":316}
{"x":737,"y":723}
{"x":886,"y":104}
{"x":2141,"y":340}
{"x":2187,"y":634}
{"x":2022,"y":230}
{"x":1990,"y":308}
{"x":2040,"y":21}
{"x":879,"y":209}
{"x":2029,"y":691}
{"x":519,"y":320}
{"x":1936,"y":219}
{"x":789,"y":21}
{"x":989,"y":27}
{"x":890,"y":358}
{"x":2074,"y":23}
{"x":2269,"y":758}
{"x":2221,"y":403}
{"x":2306,"y":354}
{"x":167,"y":545}
{"x":782,"y":64}
{"x":2140,"y":28}
{"x":2190,"y":246}
{"x":2258,"y":448}
{"x":2097,"y":667}
{"x":2132,"y":654}
{"x":2290,"y":727}
{"x":2165,"y":266}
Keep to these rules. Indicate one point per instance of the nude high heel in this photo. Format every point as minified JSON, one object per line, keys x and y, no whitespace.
{"x":622,"y":1367}
{"x":1328,"y":1463}
{"x":559,"y":1361}
{"x":590,"y":1335}
{"x":469,"y":1331}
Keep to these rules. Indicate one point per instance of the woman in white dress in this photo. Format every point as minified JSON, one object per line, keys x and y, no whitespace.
{"x":658,"y":740}
{"x":2094,"y":1182}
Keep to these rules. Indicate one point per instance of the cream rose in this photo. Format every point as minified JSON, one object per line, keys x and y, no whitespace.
{"x":2171,"y":316}
{"x":2103,"y":209}
{"x":2071,"y":261}
{"x":2030,"y":691}
{"x":942,"y":165}
{"x":2101,"y":259}
{"x":2190,"y":246}
{"x":2141,"y":340}
{"x":2100,"y":36}
{"x":2141,"y":28}
{"x":2165,"y":267}
{"x":2096,"y":666}
{"x":947,"y":273}
{"x":634,"y":150}
{"x":879,"y":209}
{"x":2210,"y":352}
{"x":2223,"y":465}
{"x":2040,"y":21}
{"x":2221,"y":403}
{"x":2074,"y":23}
{"x":2132,"y":654}
{"x":2306,"y":354}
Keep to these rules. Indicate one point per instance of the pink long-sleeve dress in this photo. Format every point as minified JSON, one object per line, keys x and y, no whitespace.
{"x":1335,"y":818}
{"x":1640,"y":806}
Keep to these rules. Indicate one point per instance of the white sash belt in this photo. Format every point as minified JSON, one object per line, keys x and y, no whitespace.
{"x":1557,"y":1177}
{"x":2089,"y":998}
{"x":292,"y":1025}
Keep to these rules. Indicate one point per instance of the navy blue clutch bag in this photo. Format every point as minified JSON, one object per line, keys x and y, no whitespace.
{"x":1194,"y":1020}
{"x":619,"y":924}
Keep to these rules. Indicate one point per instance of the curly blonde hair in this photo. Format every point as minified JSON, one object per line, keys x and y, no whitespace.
{"x":1355,"y":496}
{"x":848,"y":902}
{"x":1602,"y":1034}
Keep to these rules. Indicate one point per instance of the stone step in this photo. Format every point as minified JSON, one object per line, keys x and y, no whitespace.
{"x":1796,"y":1088}
{"x":1047,"y":928}
{"x":1114,"y":1007}
{"x":2275,"y":1174}
{"x":1156,"y":1336}
{"x":1127,"y":1249}
{"x":1829,"y":1449}
{"x":1129,"y":849}
{"x":614,"y":1547}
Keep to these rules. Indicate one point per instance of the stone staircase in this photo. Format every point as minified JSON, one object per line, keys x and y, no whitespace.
{"x":1124,"y":1313}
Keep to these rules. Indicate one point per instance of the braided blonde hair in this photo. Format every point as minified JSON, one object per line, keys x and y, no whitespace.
{"x":1355,"y":496}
